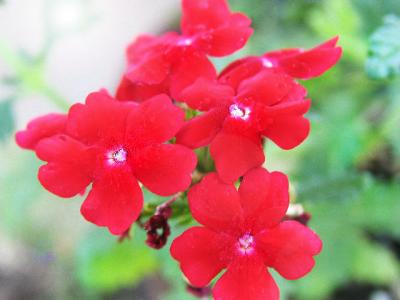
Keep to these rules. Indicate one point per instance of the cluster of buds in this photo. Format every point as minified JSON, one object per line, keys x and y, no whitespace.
{"x":157,"y":227}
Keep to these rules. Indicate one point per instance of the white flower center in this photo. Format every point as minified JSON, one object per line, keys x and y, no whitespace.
{"x":117,"y":156}
{"x":120,"y":155}
{"x":267,"y":63}
{"x":238,"y":112}
{"x":185,"y":42}
{"x":246,"y":243}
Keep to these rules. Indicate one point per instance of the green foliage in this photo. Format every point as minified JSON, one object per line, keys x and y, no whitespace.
{"x":17,"y":169}
{"x":339,"y":17}
{"x":104,"y":265}
{"x":7,"y":122}
{"x":384,"y":50}
{"x":383,"y":267}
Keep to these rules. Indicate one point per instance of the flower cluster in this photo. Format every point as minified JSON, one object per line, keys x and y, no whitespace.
{"x":111,"y":146}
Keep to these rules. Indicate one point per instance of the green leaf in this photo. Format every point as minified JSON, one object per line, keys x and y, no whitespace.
{"x":375,"y":264}
{"x":378,"y":210}
{"x":105,"y":265}
{"x":7,"y":122}
{"x":384,"y":50}
{"x":339,"y":17}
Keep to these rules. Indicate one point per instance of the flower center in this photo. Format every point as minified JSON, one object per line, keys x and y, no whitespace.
{"x":185,"y":42}
{"x":117,"y":157}
{"x":120,"y":155}
{"x":267,"y":63}
{"x":238,"y":112}
{"x":246,"y":243}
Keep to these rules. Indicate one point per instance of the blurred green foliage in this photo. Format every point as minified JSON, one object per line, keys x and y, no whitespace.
{"x":103,"y":265}
{"x":7,"y":121}
{"x":384,"y":52}
{"x":347,"y":174}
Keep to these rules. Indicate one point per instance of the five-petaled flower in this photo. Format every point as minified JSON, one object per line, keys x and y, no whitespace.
{"x":269,"y":104}
{"x":113,"y":145}
{"x":169,"y":63}
{"x":297,"y":63}
{"x":243,"y":232}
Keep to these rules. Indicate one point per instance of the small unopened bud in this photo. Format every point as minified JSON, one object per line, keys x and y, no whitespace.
{"x":304,"y":218}
{"x":200,"y":292}
{"x":157,"y":228}
{"x":297,"y":213}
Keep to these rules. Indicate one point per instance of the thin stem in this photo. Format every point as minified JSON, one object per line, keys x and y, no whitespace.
{"x":56,"y":98}
{"x":167,"y":203}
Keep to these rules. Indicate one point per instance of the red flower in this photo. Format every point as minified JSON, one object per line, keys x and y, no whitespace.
{"x":298,"y":63}
{"x":40,"y":128}
{"x":242,"y":232}
{"x":269,"y":104}
{"x":113,"y":145}
{"x":168,"y":63}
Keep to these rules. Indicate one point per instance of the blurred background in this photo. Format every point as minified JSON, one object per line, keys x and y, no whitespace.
{"x":346,"y":175}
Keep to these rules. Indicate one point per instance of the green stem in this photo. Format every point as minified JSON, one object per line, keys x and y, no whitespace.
{"x":34,"y":79}
{"x":56,"y":98}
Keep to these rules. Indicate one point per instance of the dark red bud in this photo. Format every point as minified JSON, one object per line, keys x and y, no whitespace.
{"x":158,"y":229}
{"x":200,"y":292}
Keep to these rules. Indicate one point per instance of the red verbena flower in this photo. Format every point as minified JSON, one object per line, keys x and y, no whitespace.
{"x":40,"y":128}
{"x":168,"y":63}
{"x":113,"y":145}
{"x":297,"y":63}
{"x":243,"y":232}
{"x":269,"y":104}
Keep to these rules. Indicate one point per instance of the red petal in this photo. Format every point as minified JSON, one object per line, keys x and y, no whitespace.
{"x":230,"y":38}
{"x":140,"y":47}
{"x":205,"y":94}
{"x":288,"y":131}
{"x":147,"y":60}
{"x":287,"y":109}
{"x":154,"y":121}
{"x":268,"y":87}
{"x":215,"y":204}
{"x":240,"y":70}
{"x":247,"y":278}
{"x":264,"y":197}
{"x":115,"y":200}
{"x":289,"y":248}
{"x":307,"y":64}
{"x":40,"y":128}
{"x":191,"y":66}
{"x":200,"y":131}
{"x":165,"y":169}
{"x":129,"y":91}
{"x":70,"y":165}
{"x":204,"y":15}
{"x":234,"y":155}
{"x":202,"y":254}
{"x":101,"y":120}
{"x":153,"y":69}
{"x":220,"y":31}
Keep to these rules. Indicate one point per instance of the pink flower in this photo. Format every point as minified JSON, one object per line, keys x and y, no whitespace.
{"x":113,"y":145}
{"x":243,"y":232}
{"x":270,"y":104}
